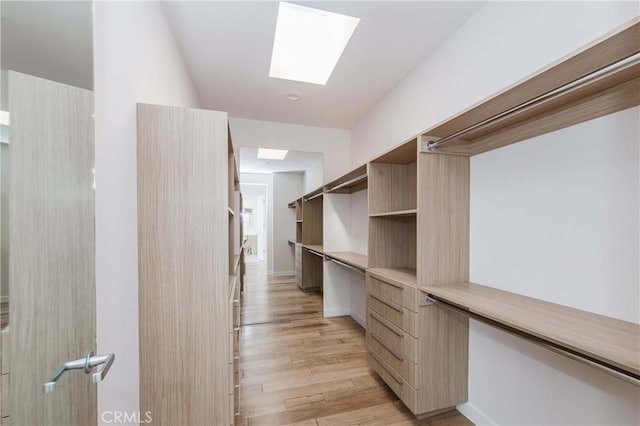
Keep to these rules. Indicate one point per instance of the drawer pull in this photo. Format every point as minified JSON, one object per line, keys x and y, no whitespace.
{"x":374,"y":356}
{"x":388,"y":283}
{"x":397,"y":333}
{"x":384,"y":345}
{"x":388,"y":303}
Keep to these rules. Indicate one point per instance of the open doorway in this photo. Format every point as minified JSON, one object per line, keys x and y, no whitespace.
{"x":255,"y":222}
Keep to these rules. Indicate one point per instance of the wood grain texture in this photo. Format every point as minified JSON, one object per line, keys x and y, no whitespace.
{"x":51,"y":241}
{"x":313,"y":221}
{"x":607,"y":339}
{"x":312,"y":271}
{"x":443,"y":219}
{"x":356,"y":260}
{"x":304,"y":369}
{"x":392,"y":187}
{"x":619,"y":44}
{"x":183,"y":264}
{"x":404,"y":153}
{"x":392,"y":242}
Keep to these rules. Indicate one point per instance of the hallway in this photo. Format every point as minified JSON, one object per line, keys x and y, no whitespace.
{"x":300,"y":368}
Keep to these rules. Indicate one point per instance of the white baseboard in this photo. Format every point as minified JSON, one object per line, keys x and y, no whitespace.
{"x":284,"y":274}
{"x":359,"y":319}
{"x":336,"y":312}
{"x":476,"y":416}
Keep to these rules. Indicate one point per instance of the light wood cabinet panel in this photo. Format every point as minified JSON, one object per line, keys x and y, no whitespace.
{"x":52,"y":246}
{"x":183,"y":255}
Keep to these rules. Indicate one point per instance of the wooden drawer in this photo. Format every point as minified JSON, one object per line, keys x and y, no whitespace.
{"x":398,"y":385}
{"x":397,"y":314}
{"x":392,"y":336}
{"x":401,"y":294}
{"x":396,"y":360}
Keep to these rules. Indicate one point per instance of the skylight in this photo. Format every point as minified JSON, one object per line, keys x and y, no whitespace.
{"x":272,"y":154}
{"x":309,"y":42}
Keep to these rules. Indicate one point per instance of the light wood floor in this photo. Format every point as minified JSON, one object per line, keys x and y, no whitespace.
{"x":300,"y":368}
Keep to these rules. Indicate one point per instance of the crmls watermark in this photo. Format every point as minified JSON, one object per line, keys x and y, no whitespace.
{"x":126,"y":417}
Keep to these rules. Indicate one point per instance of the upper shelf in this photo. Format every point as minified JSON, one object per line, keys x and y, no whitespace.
{"x":313,"y":194}
{"x":598,"y":79}
{"x":356,"y":260}
{"x":608,"y":340}
{"x":354,"y":181}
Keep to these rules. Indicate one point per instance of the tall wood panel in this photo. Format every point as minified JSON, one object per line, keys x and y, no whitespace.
{"x":183,"y":208}
{"x":51,"y":241}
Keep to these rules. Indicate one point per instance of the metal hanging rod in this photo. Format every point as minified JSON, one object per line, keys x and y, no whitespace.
{"x":584,"y":359}
{"x":583,"y":81}
{"x":346,"y":265}
{"x":349,"y":182}
{"x":319,"y":194}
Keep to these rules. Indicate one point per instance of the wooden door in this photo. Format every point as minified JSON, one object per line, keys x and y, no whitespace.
{"x":51,"y":250}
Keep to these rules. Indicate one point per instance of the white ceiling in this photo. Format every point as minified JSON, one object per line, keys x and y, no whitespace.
{"x":49,"y":39}
{"x":227,"y":47}
{"x":294,"y":161}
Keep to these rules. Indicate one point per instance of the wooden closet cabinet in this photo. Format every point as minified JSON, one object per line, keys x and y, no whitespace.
{"x":189,"y":265}
{"x":418,"y":236}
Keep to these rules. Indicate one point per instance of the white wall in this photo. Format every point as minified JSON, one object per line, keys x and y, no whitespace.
{"x":136,"y":60}
{"x":500,"y":44}
{"x":584,"y":199}
{"x":557,"y":218}
{"x":286,"y":188}
{"x":264,"y":179}
{"x":332,"y":143}
{"x":313,"y":175}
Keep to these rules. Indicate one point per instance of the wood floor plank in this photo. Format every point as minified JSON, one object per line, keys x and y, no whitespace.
{"x":298,"y":368}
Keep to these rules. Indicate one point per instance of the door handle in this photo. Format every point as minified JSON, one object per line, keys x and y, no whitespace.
{"x":87,"y":363}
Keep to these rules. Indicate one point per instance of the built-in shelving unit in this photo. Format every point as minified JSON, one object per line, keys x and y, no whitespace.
{"x":345,"y":213}
{"x":599,"y":79}
{"x":393,"y":207}
{"x":420,"y":353}
{"x":311,"y":252}
{"x":190,"y":265}
{"x":611,"y":343}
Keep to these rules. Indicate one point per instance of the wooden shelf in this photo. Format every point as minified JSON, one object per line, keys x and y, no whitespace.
{"x":354,"y":181}
{"x":410,"y":212}
{"x":291,"y":242}
{"x":608,"y":340}
{"x":605,"y":94}
{"x":405,"y":276}
{"x":314,"y":193}
{"x":231,"y":212}
{"x":314,"y":247}
{"x":292,"y":205}
{"x":358,"y":261}
{"x":299,"y":221}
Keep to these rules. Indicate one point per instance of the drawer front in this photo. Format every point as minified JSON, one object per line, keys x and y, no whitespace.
{"x":398,"y":385}
{"x":397,"y":314}
{"x":396,"y":360}
{"x":401,"y":294}
{"x":392,"y":336}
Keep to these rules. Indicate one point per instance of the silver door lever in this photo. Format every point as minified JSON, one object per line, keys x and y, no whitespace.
{"x":87,"y":363}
